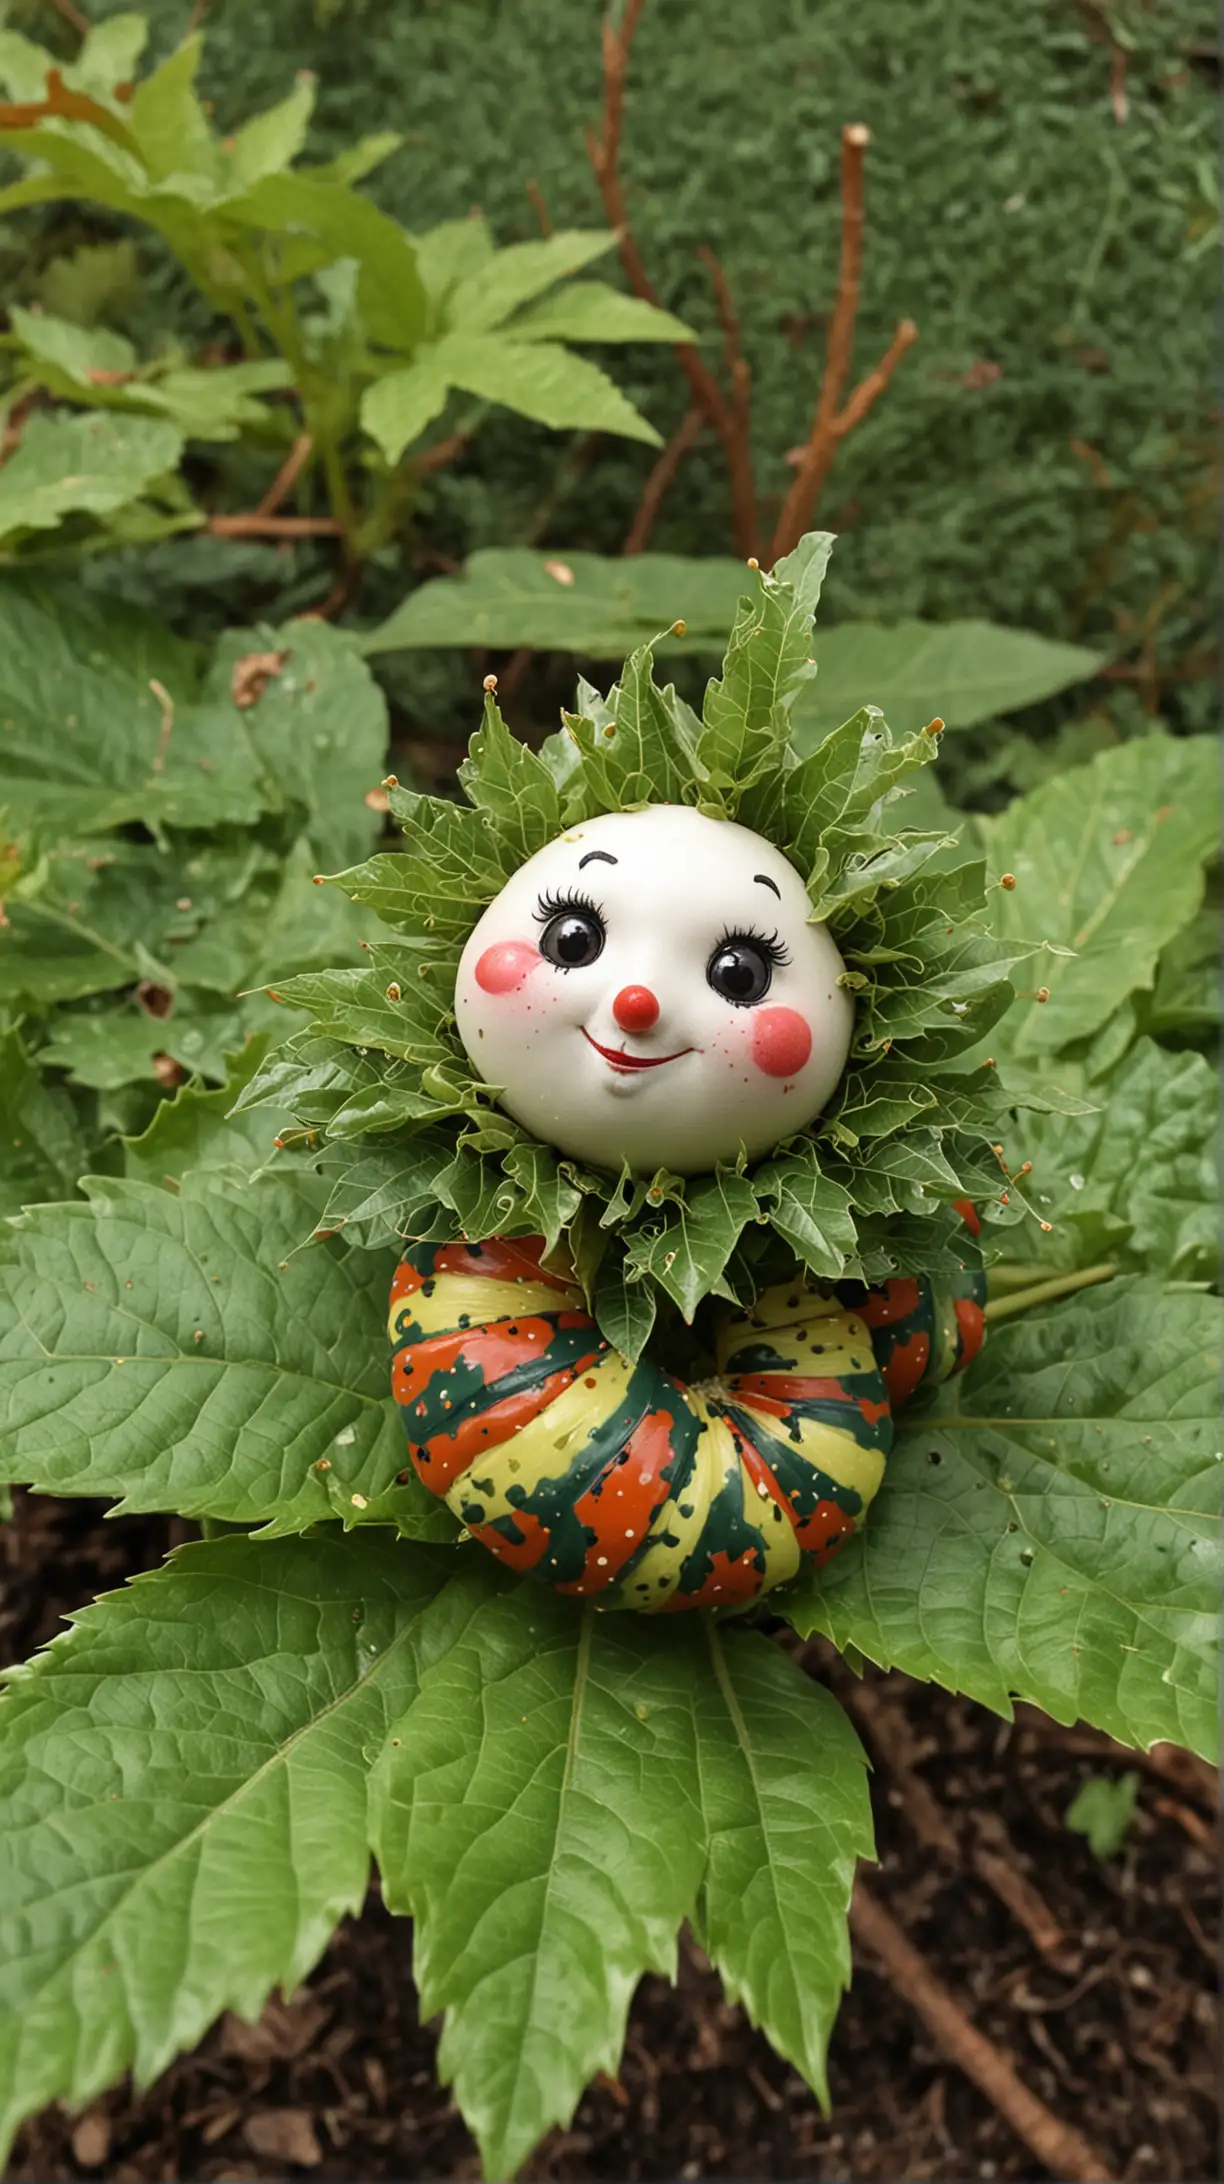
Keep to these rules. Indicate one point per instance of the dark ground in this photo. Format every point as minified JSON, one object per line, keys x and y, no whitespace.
{"x":1096,"y":1981}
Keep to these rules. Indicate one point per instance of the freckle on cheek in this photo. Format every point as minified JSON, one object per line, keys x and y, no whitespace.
{"x":502,"y":968}
{"x":781,"y":1042}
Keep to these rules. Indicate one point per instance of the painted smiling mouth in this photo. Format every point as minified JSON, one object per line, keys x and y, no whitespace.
{"x":627,"y":1065}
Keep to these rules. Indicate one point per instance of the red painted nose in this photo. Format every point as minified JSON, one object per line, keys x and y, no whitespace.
{"x":635,"y":1008}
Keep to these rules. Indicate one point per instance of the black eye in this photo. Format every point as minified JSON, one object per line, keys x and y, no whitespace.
{"x":573,"y":939}
{"x":741,"y":971}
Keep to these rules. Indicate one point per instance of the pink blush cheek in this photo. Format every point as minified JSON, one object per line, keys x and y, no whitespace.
{"x":503,"y":968}
{"x":781,"y":1042}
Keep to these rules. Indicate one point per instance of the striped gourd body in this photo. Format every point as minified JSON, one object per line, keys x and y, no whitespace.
{"x":612,"y":1480}
{"x":920,"y":1330}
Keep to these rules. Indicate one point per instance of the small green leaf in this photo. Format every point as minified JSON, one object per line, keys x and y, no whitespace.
{"x":1102,"y":1810}
{"x":540,"y":380}
{"x":183,"y":1783}
{"x":747,"y":710}
{"x":111,"y":52}
{"x":272,"y":140}
{"x":1049,"y":1529}
{"x":625,"y":1310}
{"x":536,"y":1812}
{"x":688,"y":1252}
{"x":591,"y":311}
{"x":91,"y":464}
{"x":499,"y":283}
{"x":184,"y":1350}
{"x":783,"y":1787}
{"x":1108,"y":863}
{"x":74,"y":351}
{"x":809,"y":1209}
{"x":396,"y":409}
{"x":168,"y":121}
{"x":510,"y":783}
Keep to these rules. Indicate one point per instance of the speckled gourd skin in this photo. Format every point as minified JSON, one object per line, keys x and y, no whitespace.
{"x":614,"y":1481}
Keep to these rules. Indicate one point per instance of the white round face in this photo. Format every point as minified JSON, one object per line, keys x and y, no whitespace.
{"x":648,"y":989}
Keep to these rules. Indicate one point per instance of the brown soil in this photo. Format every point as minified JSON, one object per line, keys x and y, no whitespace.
{"x":1096,"y":1981}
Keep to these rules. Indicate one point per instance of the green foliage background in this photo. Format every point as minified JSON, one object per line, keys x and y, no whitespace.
{"x":1008,"y":212}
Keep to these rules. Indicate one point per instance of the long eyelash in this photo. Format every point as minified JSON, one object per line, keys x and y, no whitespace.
{"x":554,"y":905}
{"x":770,"y":943}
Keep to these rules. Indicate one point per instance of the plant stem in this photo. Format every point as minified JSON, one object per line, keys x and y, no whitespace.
{"x":1061,"y":1285}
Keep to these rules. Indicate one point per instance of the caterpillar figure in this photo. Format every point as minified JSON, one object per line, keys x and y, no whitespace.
{"x":650,"y":990}
{"x":616,"y":1482}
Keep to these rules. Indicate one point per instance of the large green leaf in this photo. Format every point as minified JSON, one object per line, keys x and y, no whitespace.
{"x":42,"y":1151}
{"x":964,"y":672}
{"x":320,"y":728}
{"x":1049,"y":1530}
{"x":537,"y":1812}
{"x":786,"y":1814}
{"x":568,"y":602}
{"x":564,"y":1789}
{"x":84,"y":743}
{"x":602,"y":608}
{"x":88,"y":464}
{"x":1108,"y":863}
{"x":1138,"y":1178}
{"x":183,"y":1350}
{"x":198,"y":1128}
{"x":183,"y":1780}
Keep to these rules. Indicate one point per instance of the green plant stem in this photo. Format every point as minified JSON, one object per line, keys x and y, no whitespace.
{"x":1016,"y":1274}
{"x":1062,"y":1285}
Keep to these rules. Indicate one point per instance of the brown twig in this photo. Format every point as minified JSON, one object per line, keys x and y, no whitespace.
{"x":603,"y":150}
{"x":1058,"y":2146}
{"x":287,"y":476}
{"x":1200,"y":1831}
{"x":831,"y":420}
{"x":441,"y":454}
{"x":659,"y":483}
{"x":1166,"y":1762}
{"x":539,"y":205}
{"x":993,"y":1855}
{"x":261,"y":526}
{"x":72,"y":14}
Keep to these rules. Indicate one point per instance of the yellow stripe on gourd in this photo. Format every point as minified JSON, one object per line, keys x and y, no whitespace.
{"x":480,"y":1299}
{"x":845,"y":1345}
{"x":546,"y":1446}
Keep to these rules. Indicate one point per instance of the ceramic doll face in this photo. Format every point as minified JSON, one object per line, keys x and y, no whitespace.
{"x":648,"y":989}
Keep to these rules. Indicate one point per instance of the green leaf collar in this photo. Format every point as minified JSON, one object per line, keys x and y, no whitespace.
{"x":420,"y":1148}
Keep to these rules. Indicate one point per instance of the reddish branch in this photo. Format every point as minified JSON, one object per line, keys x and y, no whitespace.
{"x":603,"y":148}
{"x":261,"y":526}
{"x":659,"y":482}
{"x":73,"y":15}
{"x":539,"y":205}
{"x":287,"y":476}
{"x":1058,"y":2146}
{"x":727,"y":410}
{"x":833,"y":419}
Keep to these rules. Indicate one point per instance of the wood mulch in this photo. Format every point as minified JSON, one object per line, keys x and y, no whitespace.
{"x":1094,"y":1982}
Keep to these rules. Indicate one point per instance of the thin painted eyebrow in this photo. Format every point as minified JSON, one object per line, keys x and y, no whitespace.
{"x":601,"y":854}
{"x":762,"y":881}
